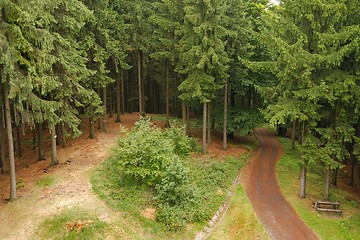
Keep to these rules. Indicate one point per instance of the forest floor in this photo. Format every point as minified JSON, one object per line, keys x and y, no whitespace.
{"x":72,"y":188}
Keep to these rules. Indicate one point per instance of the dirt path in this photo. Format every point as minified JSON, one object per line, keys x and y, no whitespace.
{"x":259,"y":179}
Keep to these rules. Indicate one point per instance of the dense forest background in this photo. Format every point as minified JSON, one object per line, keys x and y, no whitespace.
{"x":232,"y":62}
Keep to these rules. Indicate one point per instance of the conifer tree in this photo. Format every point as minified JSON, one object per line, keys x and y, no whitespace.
{"x":203,"y":55}
{"x":167,"y":21}
{"x":312,"y":45}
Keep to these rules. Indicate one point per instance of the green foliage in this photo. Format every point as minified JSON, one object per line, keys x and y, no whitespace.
{"x":344,"y":227}
{"x":185,"y":190}
{"x":174,"y":187}
{"x":72,"y":224}
{"x":20,"y":183}
{"x":240,"y":120}
{"x":144,"y":154}
{"x":182,"y":143}
{"x":46,"y":181}
{"x":202,"y":46}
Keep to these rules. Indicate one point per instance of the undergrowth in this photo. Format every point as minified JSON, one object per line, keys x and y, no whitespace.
{"x":153,"y":168}
{"x":326,"y":225}
{"x":72,"y":224}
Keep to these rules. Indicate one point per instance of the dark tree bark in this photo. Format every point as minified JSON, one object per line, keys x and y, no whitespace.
{"x":167,"y":101}
{"x":11,"y":145}
{"x":122,"y":92}
{"x":141,"y":110}
{"x":209,"y":124}
{"x":353,"y":162}
{"x":187,"y":119}
{"x":118,"y":97}
{"x":33,"y":139}
{"x":99,"y":120}
{"x":334,"y":179}
{"x":2,"y":140}
{"x":41,"y":141}
{"x":18,"y":141}
{"x":204,"y":130}
{"x":58,"y":133}
{"x":327,"y":184}
{"x":183,"y":107}
{"x":302,"y":189}
{"x":92,"y":132}
{"x":105,"y":111}
{"x":63,"y":136}
{"x":293,"y":135}
{"x":54,"y":159}
{"x":225,"y":115}
{"x":111,"y":105}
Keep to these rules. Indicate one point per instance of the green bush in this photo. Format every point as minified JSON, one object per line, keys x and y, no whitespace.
{"x":150,"y":167}
{"x":173,"y":188}
{"x":182,"y":143}
{"x":143,"y":154}
{"x":149,"y":157}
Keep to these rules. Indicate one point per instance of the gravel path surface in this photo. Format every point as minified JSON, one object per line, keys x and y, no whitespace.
{"x":259,"y":179}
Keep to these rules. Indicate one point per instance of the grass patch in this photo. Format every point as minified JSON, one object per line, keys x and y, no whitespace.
{"x":46,"y":181}
{"x":152,"y":169}
{"x":211,"y":177}
{"x":240,"y":221}
{"x":72,"y":224}
{"x":326,"y":225}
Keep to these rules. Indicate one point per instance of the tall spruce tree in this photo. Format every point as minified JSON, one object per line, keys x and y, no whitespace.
{"x":203,"y":56}
{"x":312,"y":46}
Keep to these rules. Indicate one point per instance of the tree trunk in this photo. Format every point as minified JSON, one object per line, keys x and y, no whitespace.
{"x":33,"y":139}
{"x":111,"y":102}
{"x":122,"y":92}
{"x":11,"y":145}
{"x":63,"y":135}
{"x":54,"y":159}
{"x":209,"y":124}
{"x":58,"y":133}
{"x":187,"y":119}
{"x":18,"y":136}
{"x":100,"y":119}
{"x":41,"y":141}
{"x":327,"y":184}
{"x":293,"y":135}
{"x":91,"y":122}
{"x":334,"y":180}
{"x":139,"y":83}
{"x":225,"y":115}
{"x":118,"y":98}
{"x":183,"y":107}
{"x":105,"y":111}
{"x":167,"y":101}
{"x":2,"y":140}
{"x":352,"y":159}
{"x":302,"y":191}
{"x":204,"y":130}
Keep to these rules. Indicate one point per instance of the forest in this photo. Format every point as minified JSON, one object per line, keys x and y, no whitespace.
{"x":233,"y":64}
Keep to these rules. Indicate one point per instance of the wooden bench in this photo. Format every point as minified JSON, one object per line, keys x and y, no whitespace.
{"x":327,"y":206}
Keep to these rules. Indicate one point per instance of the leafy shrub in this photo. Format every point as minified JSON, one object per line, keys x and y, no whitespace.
{"x":150,"y":166}
{"x":143,"y":154}
{"x":182,"y":143}
{"x":173,"y":188}
{"x":239,"y":120}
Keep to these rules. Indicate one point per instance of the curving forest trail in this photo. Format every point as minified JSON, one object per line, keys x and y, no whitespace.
{"x":259,"y":180}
